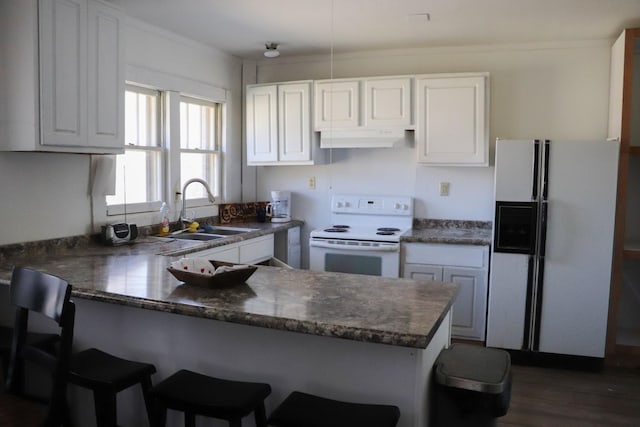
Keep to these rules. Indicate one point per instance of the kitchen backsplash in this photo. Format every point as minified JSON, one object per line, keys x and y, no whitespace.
{"x":240,"y":212}
{"x":419,"y":223}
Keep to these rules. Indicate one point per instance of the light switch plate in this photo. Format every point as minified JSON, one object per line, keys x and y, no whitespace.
{"x":444,"y":188}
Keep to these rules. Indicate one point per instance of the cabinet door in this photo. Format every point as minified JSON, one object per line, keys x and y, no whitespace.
{"x":470,"y":306}
{"x":262,"y":124}
{"x":423,"y":272}
{"x":451,"y":121}
{"x":387,"y":102}
{"x":294,"y":122}
{"x":337,"y":104}
{"x":256,"y":250}
{"x":106,"y":77}
{"x":63,"y":72}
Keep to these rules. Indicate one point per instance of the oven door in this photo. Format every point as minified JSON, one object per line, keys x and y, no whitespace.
{"x":344,"y":258}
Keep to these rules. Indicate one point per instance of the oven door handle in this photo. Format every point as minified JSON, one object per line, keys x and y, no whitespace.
{"x":391,"y":247}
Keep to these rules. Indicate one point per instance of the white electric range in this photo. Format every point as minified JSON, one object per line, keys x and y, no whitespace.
{"x":363,"y":236}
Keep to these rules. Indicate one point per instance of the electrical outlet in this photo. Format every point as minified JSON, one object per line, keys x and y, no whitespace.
{"x":312,"y":183}
{"x":444,"y":188}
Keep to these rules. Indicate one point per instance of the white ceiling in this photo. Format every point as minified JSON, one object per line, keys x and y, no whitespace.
{"x":301,"y":27}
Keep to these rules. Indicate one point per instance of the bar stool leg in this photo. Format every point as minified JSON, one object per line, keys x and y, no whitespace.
{"x":105,"y":404}
{"x":189,"y":419}
{"x":158,"y":414}
{"x":261,"y":416}
{"x":145,"y":384}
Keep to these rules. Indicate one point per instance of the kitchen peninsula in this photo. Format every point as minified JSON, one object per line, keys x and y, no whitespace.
{"x":350,"y":337}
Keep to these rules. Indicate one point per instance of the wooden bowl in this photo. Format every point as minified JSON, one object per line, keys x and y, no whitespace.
{"x":218,"y":280}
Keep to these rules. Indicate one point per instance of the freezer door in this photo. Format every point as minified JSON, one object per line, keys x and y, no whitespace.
{"x":514,"y":173}
{"x":579,"y":242}
{"x":507,"y":307}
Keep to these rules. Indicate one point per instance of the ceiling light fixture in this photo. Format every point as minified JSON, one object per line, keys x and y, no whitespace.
{"x":271,"y":50}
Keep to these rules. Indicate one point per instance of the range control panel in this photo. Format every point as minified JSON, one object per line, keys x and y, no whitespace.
{"x":372,"y":205}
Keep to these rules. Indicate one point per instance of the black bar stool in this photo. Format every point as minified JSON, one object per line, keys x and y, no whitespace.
{"x":106,"y":375}
{"x":198,"y":394}
{"x":49,"y":296}
{"x":306,"y":410}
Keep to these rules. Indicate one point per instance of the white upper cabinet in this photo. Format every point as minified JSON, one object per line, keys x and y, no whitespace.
{"x":387,"y":102}
{"x":337,"y":104}
{"x":63,"y":72}
{"x":65,"y":89}
{"x":262,"y":124}
{"x":452,"y":119}
{"x":278,"y":124}
{"x":363,"y":103}
{"x":294,"y":122}
{"x":106,"y":77}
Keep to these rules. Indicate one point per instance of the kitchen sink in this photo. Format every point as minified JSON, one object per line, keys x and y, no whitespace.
{"x":197,"y":236}
{"x":212,"y":233}
{"x":227,"y":231}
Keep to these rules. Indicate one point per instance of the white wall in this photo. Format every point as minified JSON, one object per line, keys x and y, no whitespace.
{"x":44,"y":196}
{"x":557,"y":91}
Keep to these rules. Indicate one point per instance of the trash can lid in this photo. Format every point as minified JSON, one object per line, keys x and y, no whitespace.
{"x":473,"y":367}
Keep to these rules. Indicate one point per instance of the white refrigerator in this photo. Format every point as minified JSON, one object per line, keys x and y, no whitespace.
{"x":552,"y":246}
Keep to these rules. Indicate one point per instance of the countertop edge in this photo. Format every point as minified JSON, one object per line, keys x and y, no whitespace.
{"x":270,"y":322}
{"x":284,"y":324}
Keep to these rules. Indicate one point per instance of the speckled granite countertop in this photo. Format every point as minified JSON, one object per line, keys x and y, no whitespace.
{"x":449,"y":231}
{"x":398,"y":312}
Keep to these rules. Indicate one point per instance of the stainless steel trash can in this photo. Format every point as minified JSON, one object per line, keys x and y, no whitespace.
{"x":472,"y":386}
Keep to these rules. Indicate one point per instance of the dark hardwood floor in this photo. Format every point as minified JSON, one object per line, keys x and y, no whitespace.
{"x":556,"y":397}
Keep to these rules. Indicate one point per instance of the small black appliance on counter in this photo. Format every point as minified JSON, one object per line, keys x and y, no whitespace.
{"x":119,"y":233}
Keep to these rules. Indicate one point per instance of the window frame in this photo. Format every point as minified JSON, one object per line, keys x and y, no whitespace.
{"x":159,"y":167}
{"x":217,"y":186}
{"x":169,"y":164}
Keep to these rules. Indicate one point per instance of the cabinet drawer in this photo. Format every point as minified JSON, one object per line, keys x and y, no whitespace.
{"x":444,"y":254}
{"x":227,"y":253}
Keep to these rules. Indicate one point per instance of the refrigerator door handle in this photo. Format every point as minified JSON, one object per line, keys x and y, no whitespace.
{"x":542,"y":249}
{"x":545,"y":176}
{"x":526,"y":337}
{"x":536,"y":168}
{"x":538,"y":305}
{"x":542,"y":242}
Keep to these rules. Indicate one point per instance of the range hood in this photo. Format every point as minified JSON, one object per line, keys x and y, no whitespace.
{"x":363,"y":138}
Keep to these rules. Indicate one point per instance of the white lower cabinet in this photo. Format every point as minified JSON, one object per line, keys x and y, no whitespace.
{"x":465,"y":265}
{"x":250,"y":251}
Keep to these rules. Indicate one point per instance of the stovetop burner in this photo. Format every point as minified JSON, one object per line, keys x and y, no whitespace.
{"x":336,"y":230}
{"x":341,"y":226}
{"x":388,"y":230}
{"x":385,"y":233}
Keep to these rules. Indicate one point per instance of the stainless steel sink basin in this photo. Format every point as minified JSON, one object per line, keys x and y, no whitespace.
{"x":228,"y":231}
{"x":197,"y":236}
{"x":212,"y":233}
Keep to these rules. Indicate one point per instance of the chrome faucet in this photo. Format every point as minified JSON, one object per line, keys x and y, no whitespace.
{"x":183,"y":213}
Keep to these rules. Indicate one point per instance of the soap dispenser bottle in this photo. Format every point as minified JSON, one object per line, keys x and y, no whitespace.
{"x":164,"y":219}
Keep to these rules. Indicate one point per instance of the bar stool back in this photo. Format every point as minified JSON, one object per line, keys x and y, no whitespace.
{"x":36,"y":292}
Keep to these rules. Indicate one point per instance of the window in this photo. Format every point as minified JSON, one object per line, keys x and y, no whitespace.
{"x":200,"y":134}
{"x":148,"y":166}
{"x":139,"y":169}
